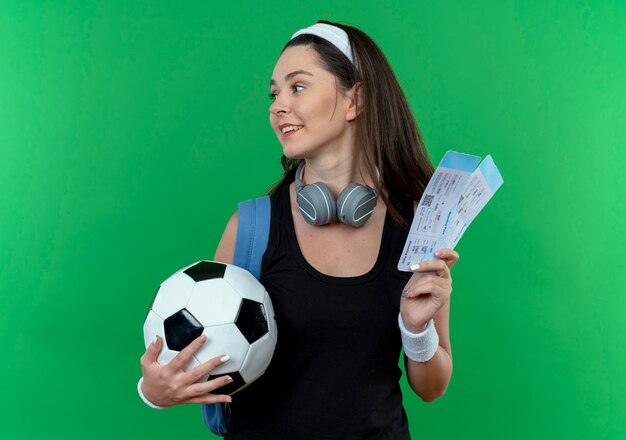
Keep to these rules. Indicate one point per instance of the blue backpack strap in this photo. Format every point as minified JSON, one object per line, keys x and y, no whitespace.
{"x":216,"y":417}
{"x":253,"y":233}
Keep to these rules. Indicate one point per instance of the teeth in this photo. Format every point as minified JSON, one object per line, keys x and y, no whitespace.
{"x":292,"y":128}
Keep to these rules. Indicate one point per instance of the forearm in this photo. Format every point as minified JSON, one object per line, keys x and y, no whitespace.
{"x":430,"y":379}
{"x":428,"y":360}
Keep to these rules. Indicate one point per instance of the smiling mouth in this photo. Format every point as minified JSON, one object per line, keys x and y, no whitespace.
{"x":287,"y":131}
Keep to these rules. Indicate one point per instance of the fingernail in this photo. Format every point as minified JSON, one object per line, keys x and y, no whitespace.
{"x":203,"y":339}
{"x":405,"y":293}
{"x":229,"y":400}
{"x":228,"y":379}
{"x":438,"y":253}
{"x":414,"y":266}
{"x":224,"y":359}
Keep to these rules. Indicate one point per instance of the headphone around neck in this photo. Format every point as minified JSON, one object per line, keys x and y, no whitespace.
{"x":354,"y":206}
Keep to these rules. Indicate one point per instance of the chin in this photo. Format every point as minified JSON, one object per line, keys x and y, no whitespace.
{"x":301,"y":150}
{"x":293,"y":156}
{"x":293,"y":153}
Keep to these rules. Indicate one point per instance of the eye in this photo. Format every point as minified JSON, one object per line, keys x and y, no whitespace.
{"x":272,"y":96}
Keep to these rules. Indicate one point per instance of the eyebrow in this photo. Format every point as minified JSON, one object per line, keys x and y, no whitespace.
{"x":291,"y":75}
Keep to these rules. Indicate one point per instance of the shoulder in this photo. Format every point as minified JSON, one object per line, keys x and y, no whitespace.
{"x":225,"y":251}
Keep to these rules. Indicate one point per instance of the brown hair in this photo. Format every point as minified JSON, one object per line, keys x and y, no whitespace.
{"x":386,"y":130}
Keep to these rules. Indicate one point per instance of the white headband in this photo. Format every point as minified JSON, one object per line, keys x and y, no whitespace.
{"x":337,"y":36}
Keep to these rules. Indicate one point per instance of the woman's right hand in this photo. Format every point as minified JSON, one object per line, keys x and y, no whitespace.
{"x":170,"y":384}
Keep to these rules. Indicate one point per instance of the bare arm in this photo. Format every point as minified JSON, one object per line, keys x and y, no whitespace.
{"x":225,"y":251}
{"x":430,"y":379}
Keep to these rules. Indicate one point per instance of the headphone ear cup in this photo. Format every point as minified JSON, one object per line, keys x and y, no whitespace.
{"x":356,"y":204}
{"x":316,"y":203}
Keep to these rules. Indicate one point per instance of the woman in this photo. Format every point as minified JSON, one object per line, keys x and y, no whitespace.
{"x":342,"y":307}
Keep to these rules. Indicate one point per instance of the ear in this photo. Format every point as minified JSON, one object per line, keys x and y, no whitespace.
{"x":355,"y":101}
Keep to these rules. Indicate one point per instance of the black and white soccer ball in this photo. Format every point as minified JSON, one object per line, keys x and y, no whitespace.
{"x":227,"y":304}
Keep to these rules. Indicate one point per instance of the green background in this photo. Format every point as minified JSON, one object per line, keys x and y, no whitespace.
{"x":130,"y":130}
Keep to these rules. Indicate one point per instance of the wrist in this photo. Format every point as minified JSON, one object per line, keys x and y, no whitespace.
{"x":414,"y":328}
{"x":419,"y":346}
{"x":144,"y":398}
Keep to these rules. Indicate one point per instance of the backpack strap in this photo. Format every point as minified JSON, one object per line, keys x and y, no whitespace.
{"x":253,"y":233}
{"x":216,"y":417}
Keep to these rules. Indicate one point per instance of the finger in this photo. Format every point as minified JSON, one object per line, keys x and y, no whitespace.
{"x":204,"y":388}
{"x":450,"y":256}
{"x":152,"y":352}
{"x":205,"y":368}
{"x":432,"y":290}
{"x":439,"y":267}
{"x":182,"y":358}
{"x":430,"y":284}
{"x":211,"y":398}
{"x":418,"y":277}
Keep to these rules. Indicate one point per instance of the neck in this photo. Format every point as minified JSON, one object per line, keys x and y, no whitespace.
{"x":336,"y":173}
{"x":336,"y":165}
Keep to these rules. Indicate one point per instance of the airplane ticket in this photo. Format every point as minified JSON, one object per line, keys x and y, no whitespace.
{"x":454,"y":196}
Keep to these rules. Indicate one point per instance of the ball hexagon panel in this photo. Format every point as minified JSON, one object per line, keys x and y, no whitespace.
{"x":214,"y":302}
{"x":271,"y":316}
{"x":244,"y":282}
{"x":152,"y":326}
{"x":205,"y":270}
{"x":260,"y":353}
{"x":181,"y":329}
{"x":224,"y":340}
{"x":251,"y":320}
{"x":173,"y":295}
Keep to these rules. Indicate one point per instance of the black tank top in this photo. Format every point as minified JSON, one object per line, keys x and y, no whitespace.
{"x":334,"y":373}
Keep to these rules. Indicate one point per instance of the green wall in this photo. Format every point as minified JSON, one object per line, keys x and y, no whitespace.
{"x":129,"y":130}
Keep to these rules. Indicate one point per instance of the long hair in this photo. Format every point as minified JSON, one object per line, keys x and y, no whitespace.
{"x":386,"y":131}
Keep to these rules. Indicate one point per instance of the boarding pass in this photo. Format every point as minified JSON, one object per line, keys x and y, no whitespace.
{"x":455,"y":194}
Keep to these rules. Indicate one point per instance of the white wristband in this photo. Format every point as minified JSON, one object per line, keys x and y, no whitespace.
{"x":146,"y":401}
{"x":419,"y":347}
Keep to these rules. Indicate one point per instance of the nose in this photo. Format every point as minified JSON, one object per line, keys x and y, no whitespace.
{"x":279,"y":106}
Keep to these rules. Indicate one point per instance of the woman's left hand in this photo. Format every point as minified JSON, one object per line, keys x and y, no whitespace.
{"x":425,"y":294}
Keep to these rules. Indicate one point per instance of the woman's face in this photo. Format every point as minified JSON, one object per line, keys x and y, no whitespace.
{"x":305,"y":96}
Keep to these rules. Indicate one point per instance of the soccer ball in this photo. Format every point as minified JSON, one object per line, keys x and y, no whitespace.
{"x":229,"y":306}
